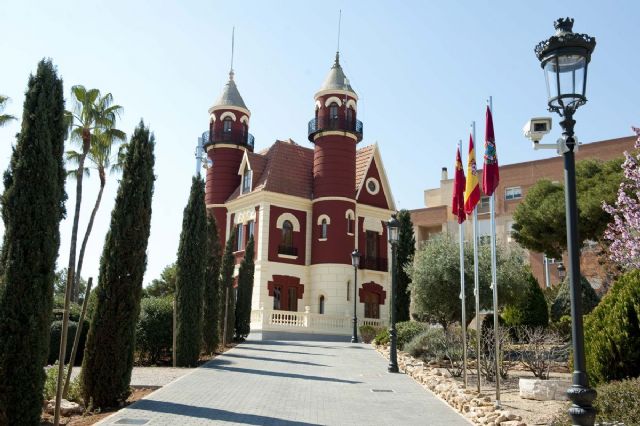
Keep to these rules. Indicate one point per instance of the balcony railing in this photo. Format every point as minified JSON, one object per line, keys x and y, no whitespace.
{"x":287,"y":250}
{"x":373,"y":263}
{"x":228,"y":137}
{"x":336,"y":123}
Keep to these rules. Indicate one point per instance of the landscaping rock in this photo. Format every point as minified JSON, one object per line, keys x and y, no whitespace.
{"x":67,"y":408}
{"x":543,"y":390}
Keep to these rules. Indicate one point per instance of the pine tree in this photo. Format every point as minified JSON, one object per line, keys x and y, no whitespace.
{"x":226,"y":285}
{"x":191,"y":265}
{"x":211,"y":308}
{"x":406,"y":250}
{"x":245,"y":292}
{"x":108,"y":359}
{"x":32,"y":207}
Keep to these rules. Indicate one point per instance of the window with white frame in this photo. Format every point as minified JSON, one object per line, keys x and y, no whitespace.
{"x":513,"y":193}
{"x":246,"y":180}
{"x":239,"y":237}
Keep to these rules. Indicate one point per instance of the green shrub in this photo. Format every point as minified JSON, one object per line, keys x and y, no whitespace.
{"x":562,"y":304}
{"x":408,"y":330}
{"x":54,"y":341}
{"x":612,"y":332}
{"x":619,"y":401}
{"x":50,"y":384}
{"x":154,"y":331}
{"x":563,"y":327}
{"x":382,"y":338}
{"x":368,"y":333}
{"x":427,"y":345}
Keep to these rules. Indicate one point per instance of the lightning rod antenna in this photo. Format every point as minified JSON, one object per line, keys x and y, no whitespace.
{"x":233,"y":34}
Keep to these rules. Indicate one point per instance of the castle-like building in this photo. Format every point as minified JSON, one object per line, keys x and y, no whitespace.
{"x":307,"y":209}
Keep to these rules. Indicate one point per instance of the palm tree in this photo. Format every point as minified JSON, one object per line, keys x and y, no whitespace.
{"x":92,"y":114}
{"x":4,"y":118}
{"x":100,"y":157}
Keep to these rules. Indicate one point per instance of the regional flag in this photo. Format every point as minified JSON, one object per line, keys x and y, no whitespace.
{"x":459,"y":182}
{"x":472,"y":187}
{"x":490,"y":172}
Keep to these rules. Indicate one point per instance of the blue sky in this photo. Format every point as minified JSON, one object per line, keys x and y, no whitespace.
{"x":423,"y":71}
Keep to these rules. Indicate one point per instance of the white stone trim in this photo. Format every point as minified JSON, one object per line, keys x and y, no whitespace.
{"x":383,"y":177}
{"x":332,"y":99}
{"x":372,"y":224}
{"x":291,"y":218}
{"x":232,"y":107}
{"x":352,"y":104}
{"x":213,"y":206}
{"x":212,"y":117}
{"x":322,"y":239}
{"x":318,"y":104}
{"x":244,"y":119}
{"x":324,"y":216}
{"x":349,"y":214}
{"x":336,"y":92}
{"x":224,"y":145}
{"x":315,"y":200}
{"x":335,"y":133}
{"x":228,"y":114}
{"x":286,"y":256}
{"x":244,"y":216}
{"x":376,"y":183}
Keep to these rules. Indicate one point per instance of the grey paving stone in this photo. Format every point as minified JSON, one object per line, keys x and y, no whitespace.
{"x":292,"y":383}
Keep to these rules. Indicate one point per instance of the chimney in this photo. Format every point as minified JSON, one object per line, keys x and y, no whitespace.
{"x":445,"y":174}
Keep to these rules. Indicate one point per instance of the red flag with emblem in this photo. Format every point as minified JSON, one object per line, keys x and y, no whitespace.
{"x":459,"y":183}
{"x":490,"y":171}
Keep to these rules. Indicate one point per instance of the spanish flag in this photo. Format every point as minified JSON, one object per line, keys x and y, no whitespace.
{"x":472,"y":189}
{"x":459,"y":183}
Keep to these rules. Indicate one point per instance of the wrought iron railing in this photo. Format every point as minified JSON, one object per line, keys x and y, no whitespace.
{"x":373,"y":263}
{"x":335,"y":123}
{"x":287,"y":250}
{"x":228,"y":137}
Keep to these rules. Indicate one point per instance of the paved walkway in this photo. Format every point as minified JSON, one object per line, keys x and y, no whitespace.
{"x":291,"y":383}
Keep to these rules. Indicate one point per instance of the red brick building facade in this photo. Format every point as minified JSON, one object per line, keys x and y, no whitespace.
{"x":307,"y":210}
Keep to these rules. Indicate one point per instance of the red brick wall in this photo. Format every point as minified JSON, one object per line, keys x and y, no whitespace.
{"x":222,"y":177}
{"x":275,"y":235}
{"x":334,"y":167}
{"x":377,"y":200}
{"x":339,"y":245}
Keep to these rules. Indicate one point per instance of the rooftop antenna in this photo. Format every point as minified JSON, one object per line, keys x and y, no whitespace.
{"x":233,"y":34}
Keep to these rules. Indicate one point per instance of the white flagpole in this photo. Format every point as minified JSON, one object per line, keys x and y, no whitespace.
{"x":462,"y":295}
{"x":476,"y":279}
{"x":494,"y":282}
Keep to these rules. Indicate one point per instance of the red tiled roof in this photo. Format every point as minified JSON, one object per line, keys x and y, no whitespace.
{"x":287,"y":168}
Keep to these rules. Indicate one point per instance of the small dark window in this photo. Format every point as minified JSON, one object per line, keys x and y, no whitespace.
{"x":276,"y":298}
{"x":293,"y":299}
{"x":350,"y":116}
{"x":333,"y":111}
{"x":246,"y":181}
{"x":323,"y":229}
{"x":371,"y":245}
{"x":321,"y":308}
{"x":250,"y":226}
{"x":239,"y":237}
{"x":287,"y":234}
{"x":349,"y":225}
{"x":226,"y":125}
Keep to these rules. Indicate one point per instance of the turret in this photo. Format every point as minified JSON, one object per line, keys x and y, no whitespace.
{"x":334,"y":131}
{"x":227,"y":140}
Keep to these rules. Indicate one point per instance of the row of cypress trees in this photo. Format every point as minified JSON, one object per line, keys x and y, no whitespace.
{"x":32,"y":208}
{"x":208,"y":309}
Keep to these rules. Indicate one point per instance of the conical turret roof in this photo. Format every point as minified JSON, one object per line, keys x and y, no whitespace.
{"x":230,"y":95}
{"x":336,"y":80}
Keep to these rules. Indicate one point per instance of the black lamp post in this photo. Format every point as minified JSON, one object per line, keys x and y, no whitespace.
{"x":393,"y":227}
{"x":355,"y":261}
{"x":564,"y":58}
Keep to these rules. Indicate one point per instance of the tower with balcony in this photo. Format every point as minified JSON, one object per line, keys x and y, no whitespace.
{"x":225,"y":143}
{"x":335,"y":132}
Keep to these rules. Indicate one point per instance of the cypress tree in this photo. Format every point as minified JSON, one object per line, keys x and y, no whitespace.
{"x":190,"y":274}
{"x":108,"y":358}
{"x":211,"y":309}
{"x":406,"y":250}
{"x":226,"y":285}
{"x":245,"y":292}
{"x":32,"y":207}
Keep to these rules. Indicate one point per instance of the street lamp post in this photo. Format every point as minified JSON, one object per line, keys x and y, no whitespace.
{"x":565,"y":57}
{"x":355,"y":261}
{"x":562,"y":272}
{"x":393,"y":227}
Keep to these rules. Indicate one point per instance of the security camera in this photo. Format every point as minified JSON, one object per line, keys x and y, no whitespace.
{"x":536,"y":128}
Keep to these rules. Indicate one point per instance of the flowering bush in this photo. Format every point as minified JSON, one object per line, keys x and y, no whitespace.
{"x":624,"y":230}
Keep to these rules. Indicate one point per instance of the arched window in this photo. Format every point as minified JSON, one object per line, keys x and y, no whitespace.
{"x":287,"y":234}
{"x":333,"y":115}
{"x":350,"y":117}
{"x":321,"y":306}
{"x":244,"y":132}
{"x":323,"y":229}
{"x":226,"y":124}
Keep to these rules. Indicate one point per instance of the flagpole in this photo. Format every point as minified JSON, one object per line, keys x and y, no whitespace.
{"x":494,"y":283}
{"x":462,"y":293}
{"x":476,"y":280}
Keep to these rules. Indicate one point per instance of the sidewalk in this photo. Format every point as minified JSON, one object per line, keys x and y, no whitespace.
{"x":291,"y":383}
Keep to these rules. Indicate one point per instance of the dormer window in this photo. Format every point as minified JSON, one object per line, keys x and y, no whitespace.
{"x":226,"y":125}
{"x":246,"y":180}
